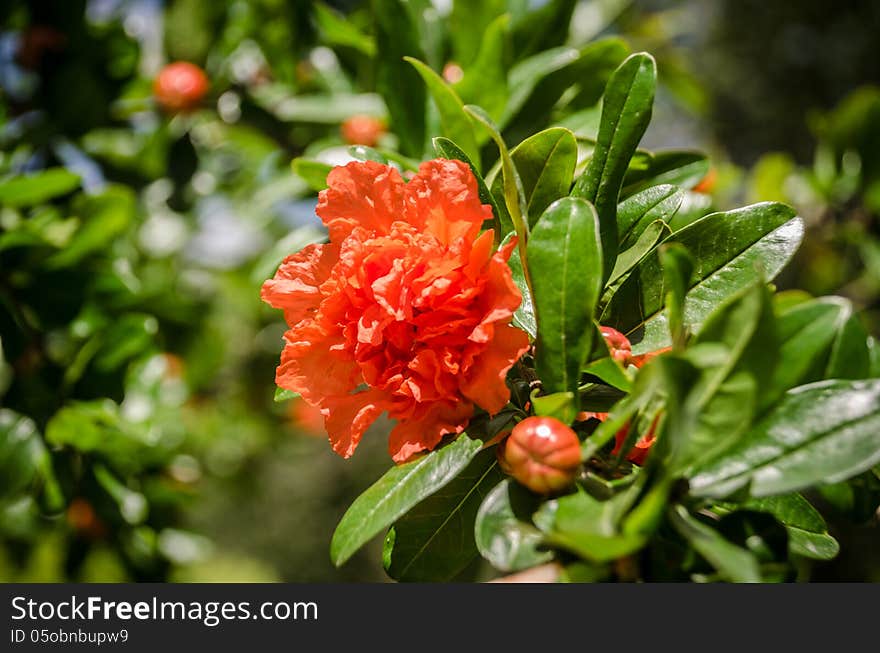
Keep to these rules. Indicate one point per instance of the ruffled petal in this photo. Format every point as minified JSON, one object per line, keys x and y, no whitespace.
{"x":316,"y":364}
{"x":361,"y":194}
{"x":484,"y":382}
{"x":347,"y":418}
{"x":424,"y":432}
{"x":295,"y":288}
{"x":443,"y":199}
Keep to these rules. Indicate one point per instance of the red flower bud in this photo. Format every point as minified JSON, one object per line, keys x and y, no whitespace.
{"x":180,"y":86}
{"x":542,"y":453}
{"x":362,"y":130}
{"x":618,"y":345}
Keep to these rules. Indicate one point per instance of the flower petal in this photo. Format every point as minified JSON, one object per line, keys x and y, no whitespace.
{"x":444,"y":200}
{"x":361,"y":194}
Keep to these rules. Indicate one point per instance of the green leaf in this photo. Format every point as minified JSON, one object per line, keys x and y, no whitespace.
{"x":434,"y":541}
{"x":727,"y":250}
{"x":399,"y":490}
{"x":485,"y":82}
{"x":470,"y":26}
{"x":337,"y":30}
{"x":538,"y":83}
{"x":103,"y":217}
{"x":732,"y":562}
{"x":454,"y":122}
{"x":626,"y":112}
{"x":588,"y":527}
{"x":397,"y":36}
{"x":283,"y":394}
{"x":21,"y":452}
{"x":565,"y":257}
{"x":677,"y":270}
{"x":545,"y":163}
{"x":807,"y":333}
{"x":543,"y":27}
{"x":850,"y":358}
{"x":27,"y":190}
{"x":366,"y":153}
{"x":508,"y":541}
{"x":819,"y":433}
{"x":561,"y":405}
{"x":514,"y":193}
{"x":314,"y":173}
{"x":731,"y":362}
{"x":128,"y":336}
{"x":807,"y":532}
{"x":524,"y":317}
{"x":609,"y":371}
{"x":636,"y":213}
{"x":628,"y":259}
{"x":678,"y":167}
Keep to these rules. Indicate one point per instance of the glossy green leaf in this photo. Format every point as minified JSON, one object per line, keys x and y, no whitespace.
{"x":732,"y":562}
{"x":454,"y":122}
{"x":588,"y":527}
{"x":397,"y":36}
{"x":27,"y":190}
{"x":850,"y":358}
{"x":819,"y":433}
{"x":680,"y":168}
{"x":503,"y":534}
{"x":807,"y":333}
{"x":399,"y":490}
{"x":626,"y":112}
{"x":636,"y":213}
{"x":628,"y":259}
{"x":514,"y":193}
{"x":545,"y":163}
{"x":807,"y":532}
{"x":565,"y":259}
{"x":314,"y":173}
{"x":677,"y":271}
{"x":728,"y":249}
{"x":524,"y":317}
{"x":434,"y":541}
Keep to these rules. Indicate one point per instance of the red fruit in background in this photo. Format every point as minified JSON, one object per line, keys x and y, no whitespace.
{"x":362,"y":130}
{"x":542,"y":453}
{"x":618,"y":345}
{"x":37,"y":40}
{"x":641,"y":359}
{"x":180,"y":86}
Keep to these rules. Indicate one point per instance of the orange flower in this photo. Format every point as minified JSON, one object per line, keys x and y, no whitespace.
{"x":407,"y":309}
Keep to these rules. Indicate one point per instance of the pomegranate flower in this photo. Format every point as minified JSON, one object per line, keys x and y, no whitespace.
{"x":407,"y":309}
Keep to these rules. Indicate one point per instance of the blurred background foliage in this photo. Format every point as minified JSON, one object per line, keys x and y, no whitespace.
{"x":139,"y":439}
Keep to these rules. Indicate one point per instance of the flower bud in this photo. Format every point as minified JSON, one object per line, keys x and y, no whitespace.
{"x":180,"y":86}
{"x":618,"y":345}
{"x":362,"y":130}
{"x":542,"y":453}
{"x":640,"y":449}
